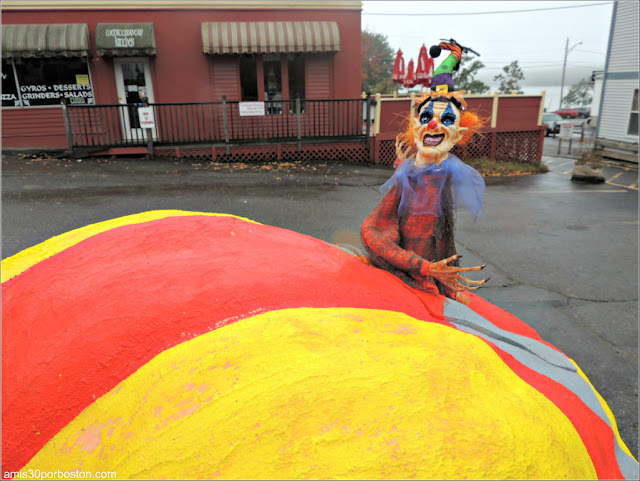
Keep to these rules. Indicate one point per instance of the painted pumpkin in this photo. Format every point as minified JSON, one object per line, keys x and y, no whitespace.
{"x":176,"y":344}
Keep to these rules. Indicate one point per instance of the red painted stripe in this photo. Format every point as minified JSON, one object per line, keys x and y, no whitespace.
{"x":591,"y":428}
{"x":79,"y":322}
{"x":596,"y":434}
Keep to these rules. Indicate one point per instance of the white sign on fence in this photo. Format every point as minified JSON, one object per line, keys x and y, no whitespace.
{"x":147,"y":120}
{"x":566,"y":130}
{"x":250,"y":109}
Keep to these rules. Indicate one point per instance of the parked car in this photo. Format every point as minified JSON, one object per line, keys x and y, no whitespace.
{"x":574,"y":112}
{"x":552,"y":122}
{"x":584,"y":112}
{"x":570,"y":113}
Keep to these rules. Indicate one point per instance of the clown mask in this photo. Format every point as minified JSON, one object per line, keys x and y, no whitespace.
{"x":436,"y":130}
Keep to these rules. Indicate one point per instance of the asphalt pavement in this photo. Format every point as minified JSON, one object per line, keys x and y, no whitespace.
{"x":562,"y":256}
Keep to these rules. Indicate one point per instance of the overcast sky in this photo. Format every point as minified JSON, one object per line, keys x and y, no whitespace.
{"x":536,"y":38}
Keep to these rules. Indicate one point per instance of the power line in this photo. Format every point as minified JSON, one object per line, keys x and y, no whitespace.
{"x":458,"y":14}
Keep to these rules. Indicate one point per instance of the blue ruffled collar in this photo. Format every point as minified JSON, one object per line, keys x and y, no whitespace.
{"x":466,"y":183}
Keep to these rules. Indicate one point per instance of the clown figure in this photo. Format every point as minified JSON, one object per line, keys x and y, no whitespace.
{"x":411,"y":232}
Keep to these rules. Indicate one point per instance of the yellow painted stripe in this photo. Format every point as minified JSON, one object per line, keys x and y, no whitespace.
{"x":608,"y":412}
{"x":563,"y":163}
{"x":20,"y":262}
{"x":633,"y":186}
{"x":322,"y":394}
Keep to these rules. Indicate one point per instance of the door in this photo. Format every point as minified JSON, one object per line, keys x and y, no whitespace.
{"x":133,"y":78}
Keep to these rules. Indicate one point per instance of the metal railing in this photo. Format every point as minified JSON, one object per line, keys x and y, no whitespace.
{"x":223,"y":123}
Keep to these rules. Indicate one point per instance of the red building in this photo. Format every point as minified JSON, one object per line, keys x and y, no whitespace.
{"x":114,"y":52}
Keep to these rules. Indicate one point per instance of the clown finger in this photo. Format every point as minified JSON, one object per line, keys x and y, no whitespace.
{"x":471,"y":282}
{"x":474,"y":268}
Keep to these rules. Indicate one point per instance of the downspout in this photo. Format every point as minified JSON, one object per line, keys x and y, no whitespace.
{"x":606,"y":68}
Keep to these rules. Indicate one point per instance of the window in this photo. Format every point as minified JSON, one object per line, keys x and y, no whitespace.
{"x":273,"y":66}
{"x":633,"y":116}
{"x":46,"y":81}
{"x":272,"y":83}
{"x":296,"y":75}
{"x":10,"y":96}
{"x":295,"y":64}
{"x":248,"y":77}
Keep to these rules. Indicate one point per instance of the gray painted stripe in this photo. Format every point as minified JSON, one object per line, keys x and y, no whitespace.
{"x":622,"y":75}
{"x":541,"y":358}
{"x":470,"y":318}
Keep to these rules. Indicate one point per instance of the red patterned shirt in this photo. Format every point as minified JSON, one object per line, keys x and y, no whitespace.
{"x":403,"y":244}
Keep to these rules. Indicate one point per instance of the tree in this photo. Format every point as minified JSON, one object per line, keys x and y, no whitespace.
{"x":465,"y":77}
{"x":377,"y":63}
{"x":509,"y":78}
{"x":580,"y":93}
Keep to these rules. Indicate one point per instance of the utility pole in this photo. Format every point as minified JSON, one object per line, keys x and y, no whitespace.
{"x":564,"y":67}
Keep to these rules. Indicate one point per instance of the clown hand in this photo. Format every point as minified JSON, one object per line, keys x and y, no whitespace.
{"x":450,"y":276}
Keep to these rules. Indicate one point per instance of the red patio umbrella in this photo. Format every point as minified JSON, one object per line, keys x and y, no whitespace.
{"x":409,"y":80}
{"x":398,"y":68}
{"x":424,"y":71}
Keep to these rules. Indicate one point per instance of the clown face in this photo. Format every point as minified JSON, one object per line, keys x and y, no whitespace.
{"x":436,"y":130}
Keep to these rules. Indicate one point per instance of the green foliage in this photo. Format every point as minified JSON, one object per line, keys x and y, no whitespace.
{"x":509,"y":78}
{"x":580,"y":94}
{"x":465,"y":77}
{"x":377,"y":64}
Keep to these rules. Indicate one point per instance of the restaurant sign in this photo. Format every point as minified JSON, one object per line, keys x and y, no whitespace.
{"x":125,"y":39}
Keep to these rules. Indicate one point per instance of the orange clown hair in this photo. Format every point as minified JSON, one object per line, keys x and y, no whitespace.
{"x":405,"y":144}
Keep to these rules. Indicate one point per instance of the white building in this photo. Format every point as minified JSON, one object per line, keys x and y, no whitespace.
{"x":617,"y":127}
{"x":597,"y":76}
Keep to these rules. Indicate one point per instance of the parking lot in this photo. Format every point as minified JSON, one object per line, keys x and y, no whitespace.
{"x":615,"y":174}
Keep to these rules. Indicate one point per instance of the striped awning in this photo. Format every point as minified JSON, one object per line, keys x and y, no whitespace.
{"x":46,"y":40}
{"x":269,"y":37}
